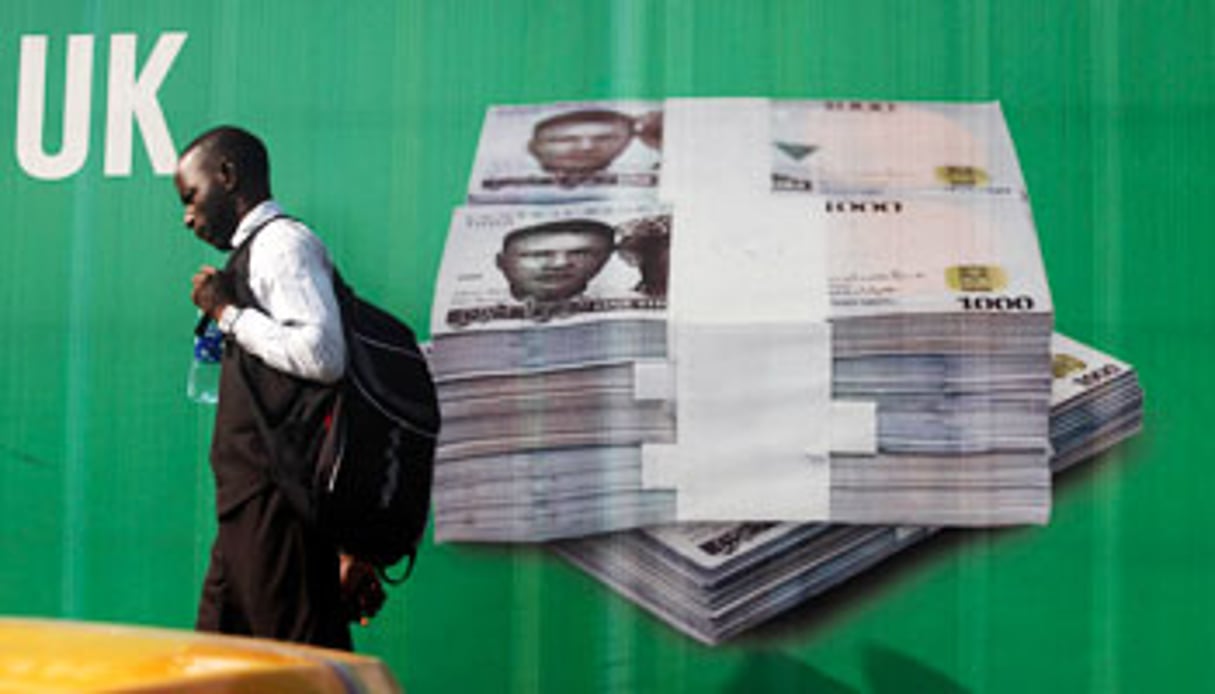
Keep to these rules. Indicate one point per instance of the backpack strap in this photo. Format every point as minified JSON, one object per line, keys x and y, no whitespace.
{"x":257,"y":229}
{"x":412,"y":555}
{"x":200,"y":328}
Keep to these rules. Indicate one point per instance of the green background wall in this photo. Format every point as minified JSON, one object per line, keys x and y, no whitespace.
{"x":372,"y":112}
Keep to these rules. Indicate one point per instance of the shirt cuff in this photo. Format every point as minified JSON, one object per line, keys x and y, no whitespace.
{"x":228,"y":318}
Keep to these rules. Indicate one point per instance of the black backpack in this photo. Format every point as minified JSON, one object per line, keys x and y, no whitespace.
{"x":371,"y":490}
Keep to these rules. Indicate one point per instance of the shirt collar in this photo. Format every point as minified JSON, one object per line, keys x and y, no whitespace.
{"x":253,"y":219}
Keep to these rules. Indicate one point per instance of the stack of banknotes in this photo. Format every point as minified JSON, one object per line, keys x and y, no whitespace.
{"x":714,"y":581}
{"x":552,"y":327}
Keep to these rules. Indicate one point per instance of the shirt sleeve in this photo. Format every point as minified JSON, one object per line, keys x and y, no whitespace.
{"x":298,"y":327}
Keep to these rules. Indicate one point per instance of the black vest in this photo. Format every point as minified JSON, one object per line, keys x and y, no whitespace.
{"x":268,"y":424}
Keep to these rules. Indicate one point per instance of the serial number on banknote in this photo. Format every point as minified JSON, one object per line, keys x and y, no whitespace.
{"x":728,"y":543}
{"x":997,"y":303}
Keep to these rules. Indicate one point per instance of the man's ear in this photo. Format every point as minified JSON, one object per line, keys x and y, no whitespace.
{"x":227,"y":175}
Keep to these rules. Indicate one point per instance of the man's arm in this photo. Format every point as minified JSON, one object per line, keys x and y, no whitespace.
{"x":212,"y":293}
{"x":298,"y":327}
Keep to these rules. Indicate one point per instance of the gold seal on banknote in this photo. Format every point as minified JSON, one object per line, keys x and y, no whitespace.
{"x":1062,"y":365}
{"x":976,"y":278}
{"x":963,"y":176}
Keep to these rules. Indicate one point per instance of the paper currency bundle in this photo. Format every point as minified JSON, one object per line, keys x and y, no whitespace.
{"x":714,"y":581}
{"x":619,"y":344}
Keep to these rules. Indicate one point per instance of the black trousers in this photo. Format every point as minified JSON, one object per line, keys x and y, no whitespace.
{"x":273,"y":576}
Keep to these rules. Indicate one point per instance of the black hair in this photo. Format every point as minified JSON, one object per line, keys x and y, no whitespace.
{"x":577,"y":226}
{"x":240,"y":146}
{"x":585,"y":116}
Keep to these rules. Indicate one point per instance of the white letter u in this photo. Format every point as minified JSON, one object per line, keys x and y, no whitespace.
{"x":31,"y":108}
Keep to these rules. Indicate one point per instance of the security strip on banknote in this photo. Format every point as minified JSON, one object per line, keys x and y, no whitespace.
{"x":749,"y":336}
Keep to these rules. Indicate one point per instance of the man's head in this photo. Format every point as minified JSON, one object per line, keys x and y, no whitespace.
{"x":221,"y":175}
{"x":580,"y":142}
{"x":555,"y":260}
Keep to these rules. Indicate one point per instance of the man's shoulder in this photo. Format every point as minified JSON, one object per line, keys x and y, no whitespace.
{"x":285,"y":222}
{"x":287,"y":243}
{"x":285,"y":233}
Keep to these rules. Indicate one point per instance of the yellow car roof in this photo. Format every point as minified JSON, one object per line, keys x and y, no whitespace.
{"x":64,"y":656}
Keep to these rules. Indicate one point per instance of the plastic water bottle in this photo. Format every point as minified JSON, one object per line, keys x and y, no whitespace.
{"x":203,"y":384}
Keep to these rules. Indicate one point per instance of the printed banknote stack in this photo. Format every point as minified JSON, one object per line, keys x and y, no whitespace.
{"x":542,"y":426}
{"x":551,"y":325}
{"x":714,"y":581}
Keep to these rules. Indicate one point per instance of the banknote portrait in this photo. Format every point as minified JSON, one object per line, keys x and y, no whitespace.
{"x":554,"y":261}
{"x":510,"y":267}
{"x":568,"y":152}
{"x":577,"y":144}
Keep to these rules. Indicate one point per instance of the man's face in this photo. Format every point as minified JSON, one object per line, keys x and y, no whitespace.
{"x":209,"y":208}
{"x":552,"y":266}
{"x":579,"y":147}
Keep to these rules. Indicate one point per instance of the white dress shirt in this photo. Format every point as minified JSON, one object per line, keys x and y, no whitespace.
{"x":298,"y":327}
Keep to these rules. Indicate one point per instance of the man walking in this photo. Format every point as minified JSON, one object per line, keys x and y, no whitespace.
{"x":272,"y":573}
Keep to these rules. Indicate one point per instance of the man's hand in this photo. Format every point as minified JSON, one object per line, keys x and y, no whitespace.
{"x":362,"y":593}
{"x":213,"y":291}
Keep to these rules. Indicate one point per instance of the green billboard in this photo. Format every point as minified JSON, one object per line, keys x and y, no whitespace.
{"x":372,"y":112}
